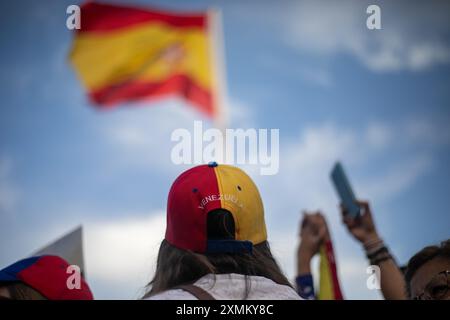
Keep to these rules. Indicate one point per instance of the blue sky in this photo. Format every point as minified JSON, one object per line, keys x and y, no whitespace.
{"x":377,"y":100}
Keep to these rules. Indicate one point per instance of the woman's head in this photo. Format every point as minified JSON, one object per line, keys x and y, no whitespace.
{"x":41,"y":277}
{"x":177,"y":266}
{"x":428,"y":273}
{"x":215,"y":224}
{"x":206,"y":188}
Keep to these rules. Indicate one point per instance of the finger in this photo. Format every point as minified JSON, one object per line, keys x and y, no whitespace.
{"x":366,"y":213}
{"x":321,"y":221}
{"x":322,"y":233}
{"x":324,"y":224}
{"x":351,"y":222}
{"x":322,"y":218}
{"x":363,"y":204}
{"x":319,"y":218}
{"x":307,"y":217}
{"x":346,"y":219}
{"x":344,"y":210}
{"x":303,"y":214}
{"x":303,"y":222}
{"x":315,"y":219}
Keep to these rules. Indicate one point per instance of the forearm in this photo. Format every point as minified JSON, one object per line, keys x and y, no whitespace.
{"x":303,"y":265}
{"x":392,"y":282}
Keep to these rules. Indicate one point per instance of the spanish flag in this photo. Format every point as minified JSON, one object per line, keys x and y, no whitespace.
{"x":329,"y":288}
{"x":125,"y":54}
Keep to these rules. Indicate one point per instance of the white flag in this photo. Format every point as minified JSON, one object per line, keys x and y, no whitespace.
{"x":69,"y":247}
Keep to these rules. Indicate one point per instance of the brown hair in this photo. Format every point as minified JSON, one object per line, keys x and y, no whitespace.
{"x":176,"y":266}
{"x":21,"y":291}
{"x":423,"y":256}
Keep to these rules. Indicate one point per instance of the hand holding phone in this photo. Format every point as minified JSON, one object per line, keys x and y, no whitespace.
{"x":363,"y":226}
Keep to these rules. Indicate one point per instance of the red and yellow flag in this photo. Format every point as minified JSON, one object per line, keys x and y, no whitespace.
{"x":125,"y":54}
{"x":329,"y":288}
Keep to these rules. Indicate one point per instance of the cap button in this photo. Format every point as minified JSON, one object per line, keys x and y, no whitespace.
{"x":212,"y":164}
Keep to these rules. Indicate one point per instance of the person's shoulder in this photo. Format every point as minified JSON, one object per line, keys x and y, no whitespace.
{"x":264,"y":288}
{"x":172,"y":294}
{"x":234,"y":286}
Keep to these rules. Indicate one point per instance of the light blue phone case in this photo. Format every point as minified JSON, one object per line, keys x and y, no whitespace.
{"x":344,"y":190}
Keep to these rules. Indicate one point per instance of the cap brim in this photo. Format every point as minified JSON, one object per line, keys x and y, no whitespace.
{"x":229,"y":246}
{"x":11,"y":273}
{"x":7,"y":277}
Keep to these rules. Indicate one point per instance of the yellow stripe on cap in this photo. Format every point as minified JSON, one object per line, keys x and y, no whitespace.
{"x":241,"y":197}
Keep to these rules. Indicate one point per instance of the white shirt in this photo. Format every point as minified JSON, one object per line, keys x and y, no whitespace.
{"x":232,"y":287}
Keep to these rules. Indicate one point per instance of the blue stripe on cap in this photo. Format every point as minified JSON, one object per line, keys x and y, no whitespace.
{"x":10,"y":273}
{"x":229,"y":246}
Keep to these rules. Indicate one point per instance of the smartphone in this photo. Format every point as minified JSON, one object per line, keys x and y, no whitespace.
{"x":344,"y":190}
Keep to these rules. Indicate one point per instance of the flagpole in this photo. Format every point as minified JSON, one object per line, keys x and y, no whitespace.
{"x":220,"y":98}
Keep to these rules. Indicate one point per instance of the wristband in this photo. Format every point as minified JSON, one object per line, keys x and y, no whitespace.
{"x":305,"y":286}
{"x":381,"y":259}
{"x":370,"y":244}
{"x":373,"y":255}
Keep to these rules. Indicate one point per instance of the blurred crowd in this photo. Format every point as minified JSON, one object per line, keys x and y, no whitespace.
{"x":216,"y":247}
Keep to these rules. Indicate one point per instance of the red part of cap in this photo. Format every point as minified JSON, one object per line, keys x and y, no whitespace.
{"x":186,"y":215}
{"x":49,"y":276}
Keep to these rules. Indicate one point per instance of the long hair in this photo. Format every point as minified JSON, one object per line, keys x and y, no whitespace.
{"x":176,"y":266}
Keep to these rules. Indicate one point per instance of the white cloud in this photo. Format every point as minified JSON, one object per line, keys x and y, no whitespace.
{"x":413,"y":34}
{"x":378,"y":135}
{"x":142,"y":138}
{"x":122,"y":253}
{"x":319,"y":76}
{"x":398,"y":178}
{"x":316,"y":75}
{"x":426,"y":132}
{"x":239,"y":113}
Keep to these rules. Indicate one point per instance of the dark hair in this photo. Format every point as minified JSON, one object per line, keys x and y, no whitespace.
{"x":422,"y":257}
{"x":176,"y":266}
{"x":21,"y":291}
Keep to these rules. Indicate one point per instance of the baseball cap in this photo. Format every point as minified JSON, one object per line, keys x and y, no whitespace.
{"x":48,"y":275}
{"x":205,"y":188}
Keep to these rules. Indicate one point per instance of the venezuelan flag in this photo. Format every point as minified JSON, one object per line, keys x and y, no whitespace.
{"x":329,"y":288}
{"x":125,"y":53}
